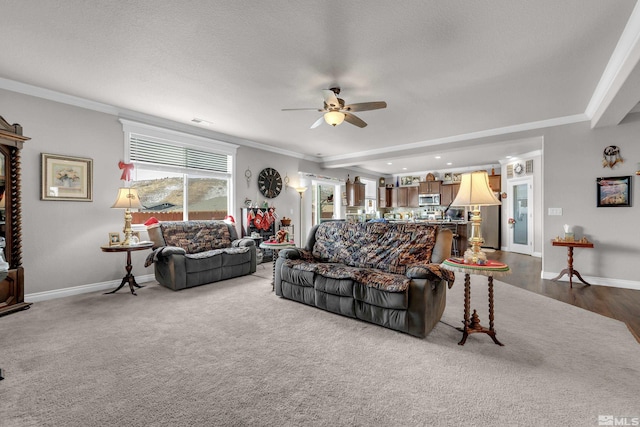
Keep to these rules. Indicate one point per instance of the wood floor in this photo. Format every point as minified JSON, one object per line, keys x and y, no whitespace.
{"x":617,"y":303}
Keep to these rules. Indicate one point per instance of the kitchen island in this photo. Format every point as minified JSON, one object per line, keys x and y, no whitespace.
{"x":459,"y":229}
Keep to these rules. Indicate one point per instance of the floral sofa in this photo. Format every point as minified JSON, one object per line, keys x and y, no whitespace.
{"x":192,"y":253}
{"x":383,"y":273}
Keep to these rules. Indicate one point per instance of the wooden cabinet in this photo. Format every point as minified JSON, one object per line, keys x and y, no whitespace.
{"x":399,"y":197}
{"x":429,"y":187}
{"x":355,"y":193}
{"x":384,"y":197}
{"x":448,"y":193}
{"x":12,"y":272}
{"x":495,"y":183}
{"x":412,"y":197}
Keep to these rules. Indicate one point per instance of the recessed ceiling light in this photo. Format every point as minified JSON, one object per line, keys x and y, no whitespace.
{"x":404,"y":169}
{"x":389,"y":163}
{"x":507,"y":157}
{"x":438,"y":157}
{"x":449,"y":163}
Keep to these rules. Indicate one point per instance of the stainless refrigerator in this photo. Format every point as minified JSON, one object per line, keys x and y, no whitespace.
{"x":490,"y":227}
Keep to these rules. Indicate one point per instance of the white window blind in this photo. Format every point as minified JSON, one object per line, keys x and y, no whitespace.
{"x":150,"y":151}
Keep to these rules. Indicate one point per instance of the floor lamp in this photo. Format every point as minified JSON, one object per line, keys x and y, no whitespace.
{"x":475,"y":192}
{"x":300,"y":191}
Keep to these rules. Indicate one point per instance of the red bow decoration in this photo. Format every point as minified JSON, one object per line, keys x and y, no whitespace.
{"x":126,"y":170}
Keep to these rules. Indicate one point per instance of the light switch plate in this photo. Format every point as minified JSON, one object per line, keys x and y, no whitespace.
{"x":555,"y":211}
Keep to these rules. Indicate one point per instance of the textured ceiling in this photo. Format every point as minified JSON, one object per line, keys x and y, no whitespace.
{"x":444,"y":68}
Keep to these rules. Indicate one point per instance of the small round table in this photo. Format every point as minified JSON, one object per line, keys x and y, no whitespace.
{"x":490,"y":269}
{"x":275,"y":247}
{"x":128,"y":278}
{"x":569,"y":270}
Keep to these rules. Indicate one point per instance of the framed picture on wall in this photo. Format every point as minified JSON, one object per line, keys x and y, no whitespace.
{"x":614,"y":191}
{"x":66,"y":178}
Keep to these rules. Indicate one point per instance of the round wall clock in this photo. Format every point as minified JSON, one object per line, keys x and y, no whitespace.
{"x":269,"y":183}
{"x":518,"y":169}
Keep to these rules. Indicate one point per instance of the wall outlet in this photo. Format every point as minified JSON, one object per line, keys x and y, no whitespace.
{"x":555,"y":211}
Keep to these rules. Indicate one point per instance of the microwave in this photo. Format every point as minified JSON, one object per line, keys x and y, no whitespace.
{"x":429,"y":199}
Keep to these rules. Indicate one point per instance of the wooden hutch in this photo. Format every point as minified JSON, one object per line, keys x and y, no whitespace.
{"x":11,"y":275}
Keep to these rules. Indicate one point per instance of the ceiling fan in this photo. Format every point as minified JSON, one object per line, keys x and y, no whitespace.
{"x":335,"y":111}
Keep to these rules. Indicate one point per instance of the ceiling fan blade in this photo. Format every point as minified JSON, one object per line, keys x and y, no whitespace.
{"x":330,"y":98}
{"x":365,"y":106}
{"x":317,"y":123}
{"x":354,"y":120}
{"x":302,"y":109}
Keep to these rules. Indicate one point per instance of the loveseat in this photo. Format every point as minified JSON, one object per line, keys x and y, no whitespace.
{"x":192,"y":253}
{"x":384,"y":273}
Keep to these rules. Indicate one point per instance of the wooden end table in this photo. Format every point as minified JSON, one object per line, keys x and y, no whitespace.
{"x":275,"y":247}
{"x":128,"y":278}
{"x":471,"y":323}
{"x":569,"y":270}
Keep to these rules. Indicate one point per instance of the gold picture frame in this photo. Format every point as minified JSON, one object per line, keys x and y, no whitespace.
{"x":66,"y":178}
{"x":114,"y":239}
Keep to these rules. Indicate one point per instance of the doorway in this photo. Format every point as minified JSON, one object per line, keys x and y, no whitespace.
{"x":325,"y":202}
{"x":521,"y":215}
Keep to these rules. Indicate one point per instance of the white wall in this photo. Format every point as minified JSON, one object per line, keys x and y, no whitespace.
{"x":61,"y":240}
{"x":572,"y":162}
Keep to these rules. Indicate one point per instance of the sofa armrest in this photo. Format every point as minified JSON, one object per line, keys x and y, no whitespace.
{"x":170,"y":250}
{"x":431,"y":272}
{"x":243,"y":242}
{"x":289,"y":253}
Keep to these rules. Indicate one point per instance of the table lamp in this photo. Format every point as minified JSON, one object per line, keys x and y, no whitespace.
{"x":127,"y":199}
{"x":475,"y":192}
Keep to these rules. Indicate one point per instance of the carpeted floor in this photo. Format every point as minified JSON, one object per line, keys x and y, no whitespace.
{"x":234,"y":354}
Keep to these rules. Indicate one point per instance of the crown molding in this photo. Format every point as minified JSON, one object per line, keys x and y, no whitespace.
{"x":126,"y":114}
{"x":343,"y":160}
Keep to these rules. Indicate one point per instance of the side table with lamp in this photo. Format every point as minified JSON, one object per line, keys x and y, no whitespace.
{"x":475,"y":192}
{"x":127,"y":199}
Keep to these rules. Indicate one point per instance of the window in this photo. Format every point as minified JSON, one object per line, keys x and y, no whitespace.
{"x":179,"y":176}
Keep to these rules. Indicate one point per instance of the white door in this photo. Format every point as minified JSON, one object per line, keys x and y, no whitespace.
{"x":520,"y":202}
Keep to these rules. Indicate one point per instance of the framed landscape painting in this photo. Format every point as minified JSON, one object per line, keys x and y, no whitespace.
{"x":614,"y":191}
{"x":66,"y":178}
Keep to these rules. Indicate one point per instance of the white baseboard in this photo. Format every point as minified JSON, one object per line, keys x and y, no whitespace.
{"x":599,"y":281}
{"x":83,"y":289}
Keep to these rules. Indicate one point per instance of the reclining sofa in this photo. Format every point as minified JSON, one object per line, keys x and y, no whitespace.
{"x":384,"y":273}
{"x":193,"y":253}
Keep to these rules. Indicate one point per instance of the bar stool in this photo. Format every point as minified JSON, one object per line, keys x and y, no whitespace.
{"x":454,"y":248}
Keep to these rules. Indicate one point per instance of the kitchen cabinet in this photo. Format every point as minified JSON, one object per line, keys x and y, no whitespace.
{"x":412,"y":197}
{"x":355,"y":193}
{"x":399,"y":197}
{"x":448,"y":193}
{"x":495,"y":183}
{"x":429,"y":187}
{"x":382,"y":198}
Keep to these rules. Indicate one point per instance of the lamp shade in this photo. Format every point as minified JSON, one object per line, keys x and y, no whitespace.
{"x":334,"y":118}
{"x":301,"y":190}
{"x":475,"y":191}
{"x":127,"y":199}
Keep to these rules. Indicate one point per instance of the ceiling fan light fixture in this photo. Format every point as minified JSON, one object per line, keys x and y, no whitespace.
{"x":334,"y":118}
